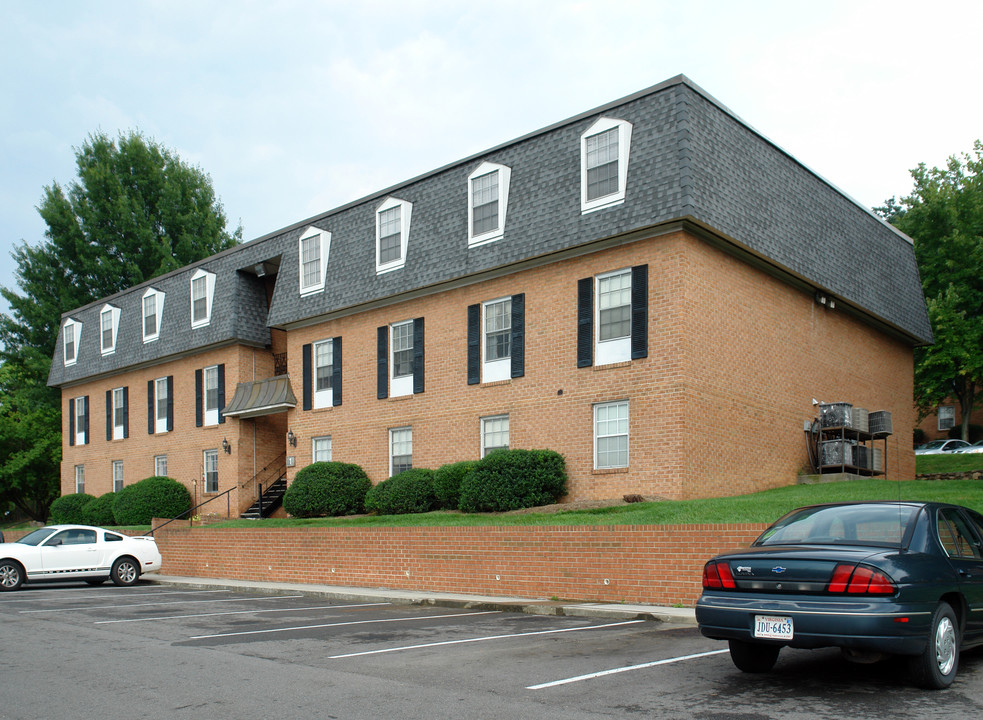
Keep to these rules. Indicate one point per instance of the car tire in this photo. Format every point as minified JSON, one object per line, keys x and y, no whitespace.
{"x":11,"y":575}
{"x":936,"y":667}
{"x":125,"y":572}
{"x":753,"y":657}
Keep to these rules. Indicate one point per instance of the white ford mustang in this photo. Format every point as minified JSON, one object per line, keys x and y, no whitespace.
{"x":76,"y":552}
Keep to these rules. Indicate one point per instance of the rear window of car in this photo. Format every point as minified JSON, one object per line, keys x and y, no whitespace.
{"x":875,"y":525}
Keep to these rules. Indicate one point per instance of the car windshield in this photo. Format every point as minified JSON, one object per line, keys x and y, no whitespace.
{"x":36,"y":537}
{"x":935,"y":445}
{"x":881,"y":525}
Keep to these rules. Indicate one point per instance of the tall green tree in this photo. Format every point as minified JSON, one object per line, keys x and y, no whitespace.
{"x":134,"y":211}
{"x":944,"y":217}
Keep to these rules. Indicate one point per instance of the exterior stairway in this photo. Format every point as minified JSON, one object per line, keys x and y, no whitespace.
{"x":270,"y":500}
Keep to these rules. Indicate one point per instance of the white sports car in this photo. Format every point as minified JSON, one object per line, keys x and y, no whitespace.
{"x":76,"y":552}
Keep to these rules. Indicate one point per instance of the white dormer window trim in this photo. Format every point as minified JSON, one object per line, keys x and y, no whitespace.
{"x":317,"y":242}
{"x":71,"y":334}
{"x":383,"y":214}
{"x":623,"y":135}
{"x":108,"y":328}
{"x":209,"y":288}
{"x":157,"y":298}
{"x":499,"y":176}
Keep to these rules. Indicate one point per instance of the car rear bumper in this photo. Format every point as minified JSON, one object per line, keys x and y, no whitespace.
{"x":881,"y":625}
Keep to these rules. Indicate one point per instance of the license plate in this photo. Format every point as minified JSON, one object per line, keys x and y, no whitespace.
{"x":772,"y":627}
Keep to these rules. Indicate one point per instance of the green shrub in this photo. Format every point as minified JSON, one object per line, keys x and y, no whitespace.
{"x":513,"y":479}
{"x":152,"y":497}
{"x":411,"y":491}
{"x":99,"y":511}
{"x":68,"y":509}
{"x":447,"y":481}
{"x":327,"y":488}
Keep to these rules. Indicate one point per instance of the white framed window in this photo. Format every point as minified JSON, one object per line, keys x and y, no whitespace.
{"x":153,"y":307}
{"x":81,"y":419}
{"x":210,"y":474}
{"x":80,"y":478}
{"x":160,"y":465}
{"x":117,"y":475}
{"x":108,"y":328}
{"x":611,"y":435}
{"x":323,"y":373}
{"x":400,"y":450}
{"x":71,"y":333}
{"x":161,"y":400}
{"x":494,"y":433}
{"x":321,"y":448}
{"x":947,"y":417}
{"x":488,"y":200}
{"x":119,"y":413}
{"x":202,"y":293}
{"x":496,"y":340}
{"x":211,"y":395}
{"x":604,"y":152}
{"x":313,"y":249}
{"x":392,"y":230}
{"x":401,"y":358}
{"x":612,"y":317}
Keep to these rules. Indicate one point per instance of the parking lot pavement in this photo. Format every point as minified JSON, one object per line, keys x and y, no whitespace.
{"x":531,"y":606}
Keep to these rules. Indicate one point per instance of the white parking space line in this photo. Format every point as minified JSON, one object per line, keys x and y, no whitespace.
{"x":482,"y":639}
{"x":62,"y":597}
{"x":615,"y":671}
{"x":341,"y":624}
{"x":179,"y":602}
{"x":237,"y":612}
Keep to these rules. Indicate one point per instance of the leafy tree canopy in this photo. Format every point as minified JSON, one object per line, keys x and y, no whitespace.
{"x":944,"y":216}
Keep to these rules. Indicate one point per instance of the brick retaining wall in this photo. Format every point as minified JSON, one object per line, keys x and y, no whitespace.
{"x":658,"y":564}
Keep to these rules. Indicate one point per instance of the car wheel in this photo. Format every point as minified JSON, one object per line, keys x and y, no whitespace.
{"x":936,"y":667}
{"x":11,"y":575}
{"x":125,"y":572}
{"x":753,"y":657}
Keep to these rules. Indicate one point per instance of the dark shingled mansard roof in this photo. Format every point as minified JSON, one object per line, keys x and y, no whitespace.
{"x":693,"y":163}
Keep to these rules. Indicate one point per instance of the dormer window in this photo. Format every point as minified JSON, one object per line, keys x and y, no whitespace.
{"x":71,"y":333}
{"x":153,"y":307}
{"x":392,"y":229}
{"x":108,"y":327}
{"x":604,"y":151}
{"x":202,"y":291}
{"x":314,"y":246}
{"x":488,"y":199}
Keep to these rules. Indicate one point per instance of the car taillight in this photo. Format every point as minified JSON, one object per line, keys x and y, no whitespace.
{"x":718,"y":575}
{"x":859,"y":579}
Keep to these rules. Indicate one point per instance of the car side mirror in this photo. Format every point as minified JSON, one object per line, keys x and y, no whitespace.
{"x":54,"y":543}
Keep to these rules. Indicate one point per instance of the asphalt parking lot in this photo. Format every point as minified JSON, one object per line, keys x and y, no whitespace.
{"x":182,"y":652}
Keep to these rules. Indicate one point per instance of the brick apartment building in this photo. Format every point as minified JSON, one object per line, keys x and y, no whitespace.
{"x":651,"y":288}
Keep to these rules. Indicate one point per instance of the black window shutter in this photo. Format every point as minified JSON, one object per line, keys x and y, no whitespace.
{"x":109,"y":415}
{"x":518,"y":335}
{"x":85,"y":420}
{"x":382,"y":363}
{"x":639,"y":311}
{"x":71,"y":421}
{"x":474,"y":344}
{"x":221,"y":392}
{"x":585,"y":322}
{"x":306,"y":368}
{"x":170,"y":402}
{"x":126,"y":411}
{"x":336,"y":371}
{"x":151,"y":408}
{"x":199,"y":420}
{"x":419,"y":357}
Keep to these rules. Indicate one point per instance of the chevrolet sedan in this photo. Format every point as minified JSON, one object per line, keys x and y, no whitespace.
{"x":874,"y":579}
{"x":76,"y":552}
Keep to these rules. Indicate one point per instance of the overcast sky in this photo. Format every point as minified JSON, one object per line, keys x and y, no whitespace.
{"x":294,"y":108}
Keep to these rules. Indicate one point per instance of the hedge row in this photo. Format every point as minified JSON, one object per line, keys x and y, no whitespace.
{"x":503,"y":480}
{"x":135,"y":504}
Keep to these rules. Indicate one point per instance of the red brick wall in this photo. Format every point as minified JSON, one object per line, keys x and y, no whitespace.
{"x":661,"y":565}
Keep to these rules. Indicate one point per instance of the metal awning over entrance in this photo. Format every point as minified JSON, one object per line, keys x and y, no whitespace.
{"x":262,"y":397}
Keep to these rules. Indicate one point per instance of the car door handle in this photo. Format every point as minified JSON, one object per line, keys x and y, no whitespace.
{"x":965,"y":574}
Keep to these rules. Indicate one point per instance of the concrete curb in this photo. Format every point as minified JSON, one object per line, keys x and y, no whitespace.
{"x":531,"y":606}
